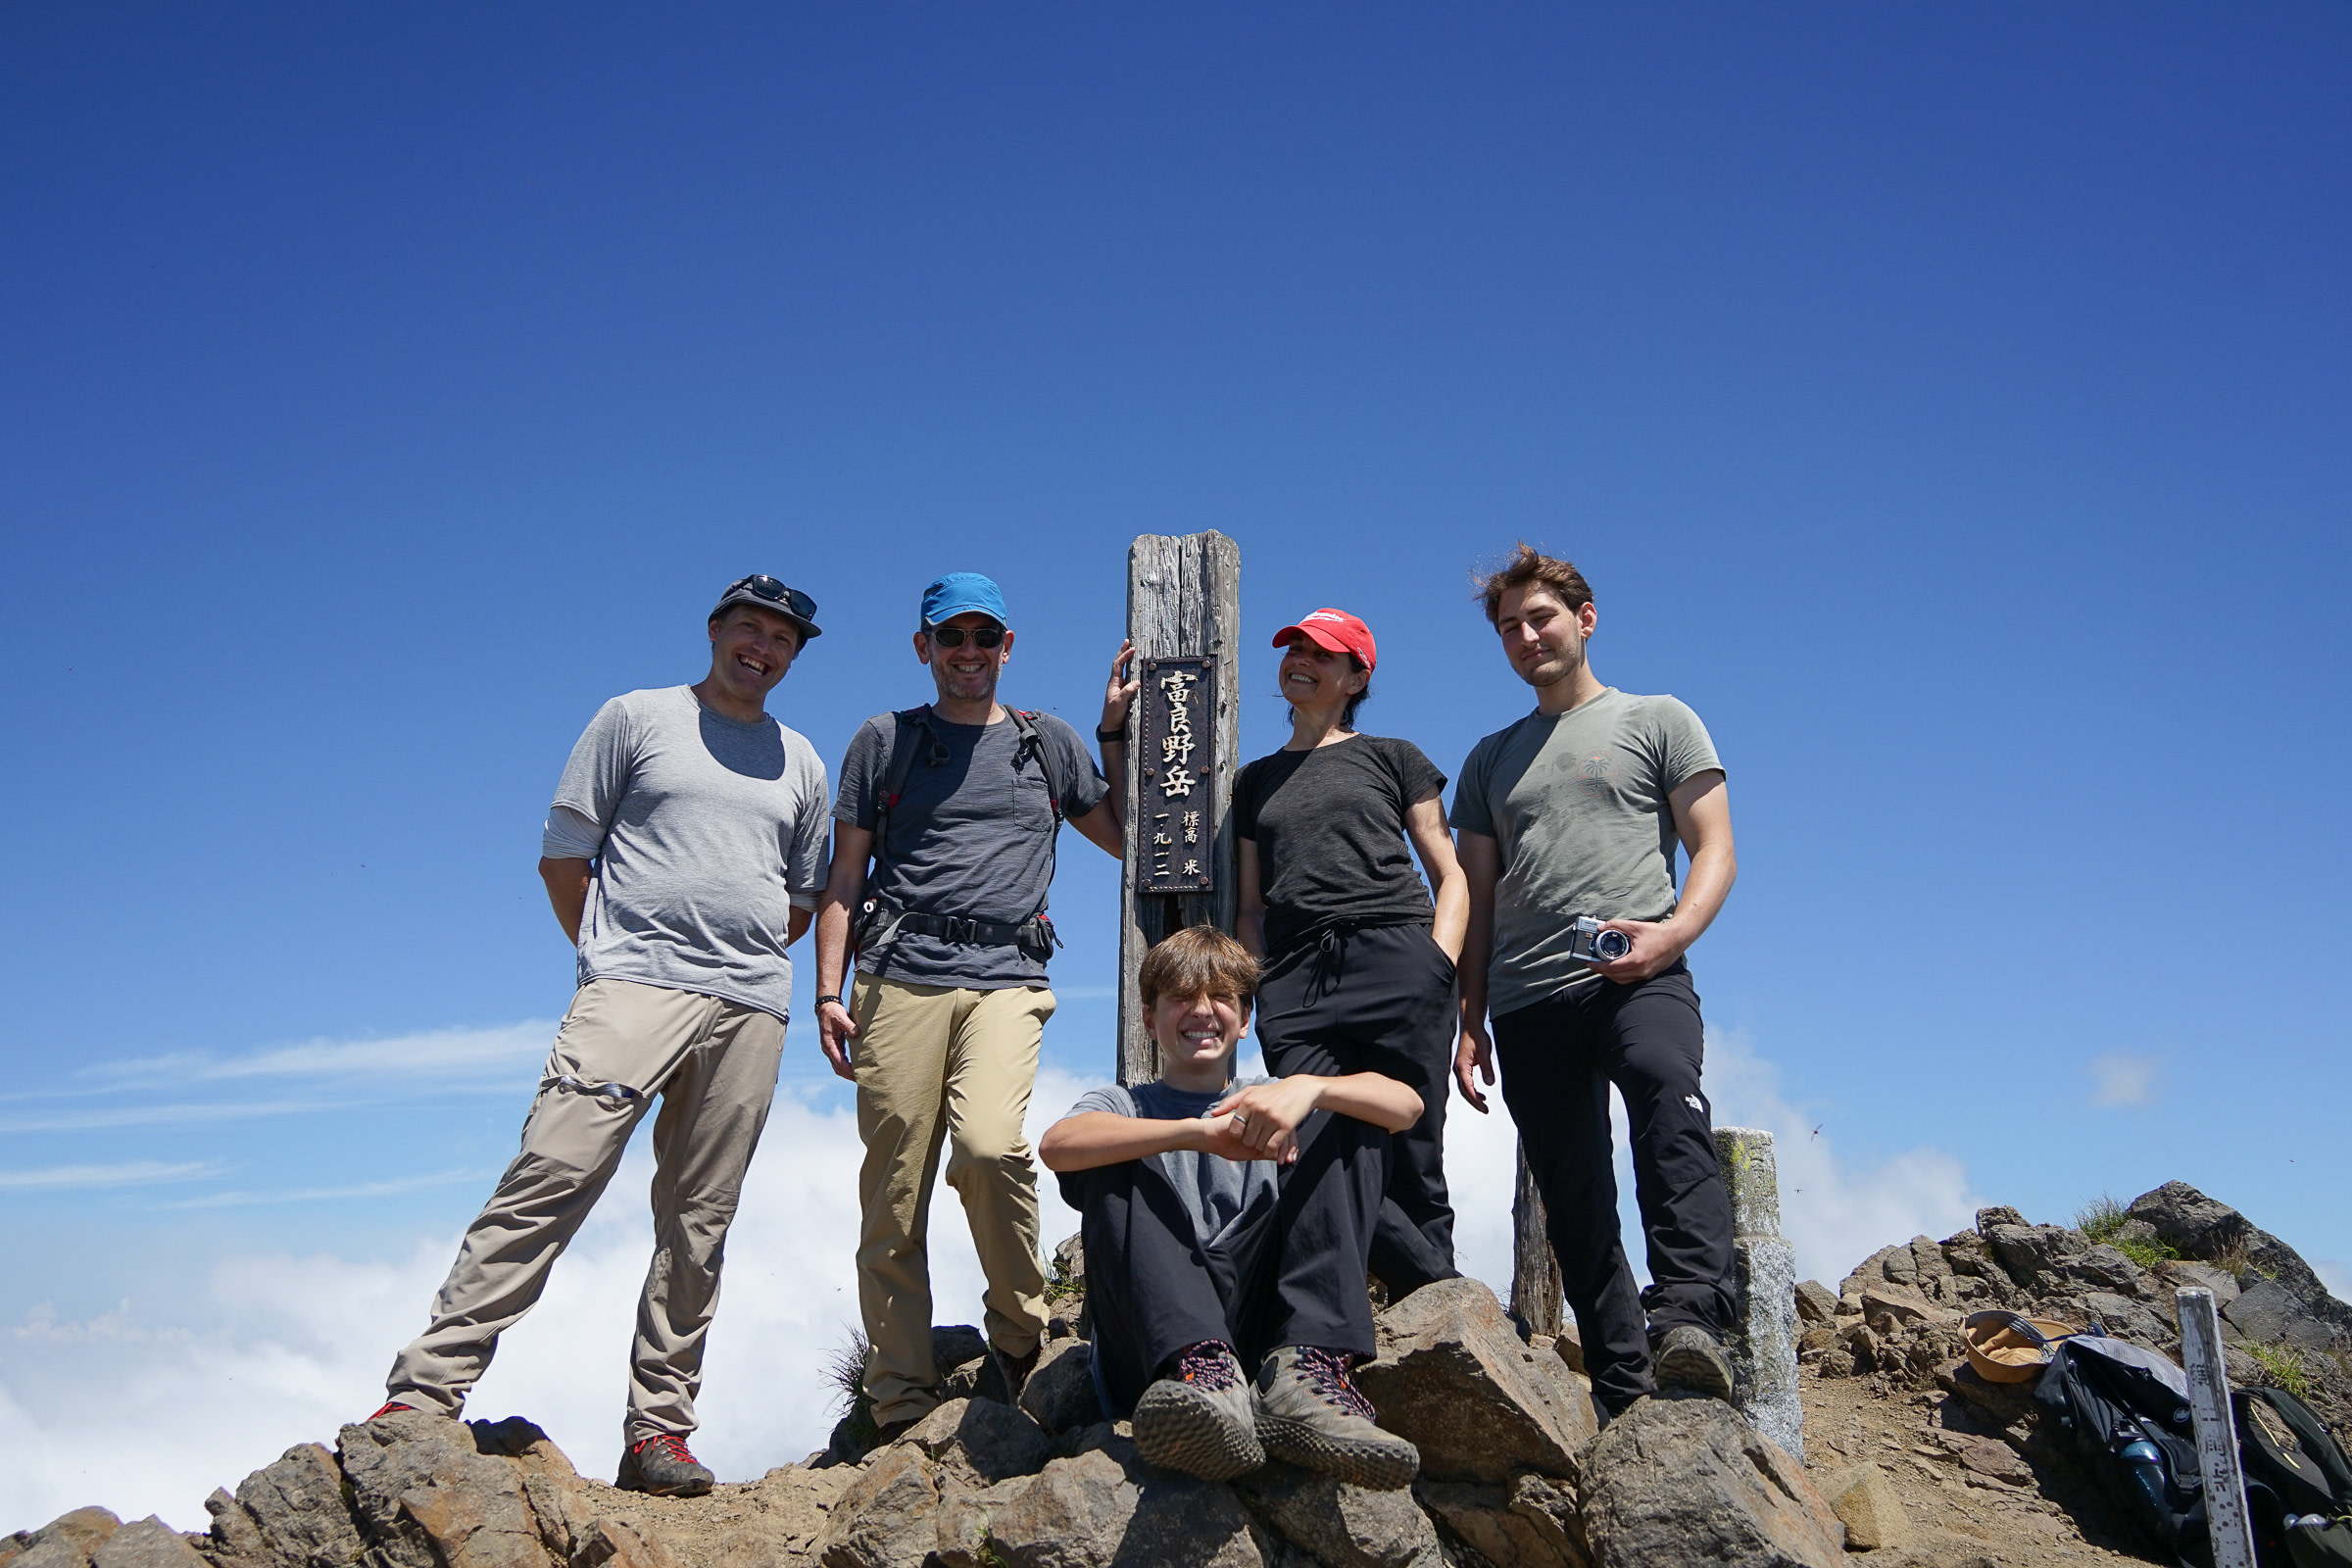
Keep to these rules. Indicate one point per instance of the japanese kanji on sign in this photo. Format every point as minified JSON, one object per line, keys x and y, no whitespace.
{"x":1178,"y":776}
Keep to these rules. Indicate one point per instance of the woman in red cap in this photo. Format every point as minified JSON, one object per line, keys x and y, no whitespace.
{"x":1358,"y":956}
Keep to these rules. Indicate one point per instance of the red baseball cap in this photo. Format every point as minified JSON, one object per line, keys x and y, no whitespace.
{"x":1335,"y":629}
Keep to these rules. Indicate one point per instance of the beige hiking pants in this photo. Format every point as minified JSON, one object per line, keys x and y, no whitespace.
{"x":714,"y":1063}
{"x":934,"y":1063}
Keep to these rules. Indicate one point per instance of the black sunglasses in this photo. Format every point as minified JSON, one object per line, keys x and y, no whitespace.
{"x":775,"y":593}
{"x":981,"y":636}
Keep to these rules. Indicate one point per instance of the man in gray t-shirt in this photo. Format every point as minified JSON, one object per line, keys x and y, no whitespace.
{"x":683,"y":854}
{"x":943,"y":855}
{"x":1574,"y":812}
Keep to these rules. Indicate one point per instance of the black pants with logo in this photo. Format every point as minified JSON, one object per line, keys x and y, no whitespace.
{"x":1288,"y":1272}
{"x":1558,"y":1059}
{"x":1378,"y":998}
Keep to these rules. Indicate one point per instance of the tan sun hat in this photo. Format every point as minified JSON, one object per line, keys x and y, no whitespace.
{"x":2005,"y":1348}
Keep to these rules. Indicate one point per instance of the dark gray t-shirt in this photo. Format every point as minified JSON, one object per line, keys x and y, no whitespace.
{"x":1217,"y":1193}
{"x":972,"y":836}
{"x":1577,"y":802}
{"x":1329,"y":826}
{"x":711,"y":829}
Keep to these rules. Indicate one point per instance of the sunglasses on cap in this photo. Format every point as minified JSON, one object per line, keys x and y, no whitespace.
{"x":981,"y":636}
{"x":762,"y":586}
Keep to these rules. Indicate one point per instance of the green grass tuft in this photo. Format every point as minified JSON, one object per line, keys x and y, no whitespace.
{"x":2101,"y":1217}
{"x":2148,"y":1254}
{"x":2282,"y":1366}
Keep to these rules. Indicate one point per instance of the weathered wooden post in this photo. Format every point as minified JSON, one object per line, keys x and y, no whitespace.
{"x":1535,"y":1271}
{"x":1184,"y":736}
{"x":2227,"y":1525}
{"x":1763,"y":1340}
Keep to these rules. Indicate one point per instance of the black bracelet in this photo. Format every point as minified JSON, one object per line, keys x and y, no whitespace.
{"x":1107,"y":736}
{"x":836,"y":1001}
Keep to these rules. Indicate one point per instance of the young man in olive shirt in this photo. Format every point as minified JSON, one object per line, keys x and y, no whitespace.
{"x":1576,"y":811}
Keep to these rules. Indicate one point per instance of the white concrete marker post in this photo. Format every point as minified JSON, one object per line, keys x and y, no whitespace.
{"x":1763,"y":1339}
{"x":2225,"y":1518}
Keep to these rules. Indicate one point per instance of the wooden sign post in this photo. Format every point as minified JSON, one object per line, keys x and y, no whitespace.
{"x":1184,"y":736}
{"x":2227,"y":1522}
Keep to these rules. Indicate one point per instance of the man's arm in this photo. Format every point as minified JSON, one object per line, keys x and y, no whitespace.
{"x":1481,"y":860}
{"x":1102,"y":826}
{"x":845,"y":886}
{"x":796,"y":924}
{"x":1097,"y":1138}
{"x":568,"y":882}
{"x":1268,"y":1115}
{"x":1702,"y":817}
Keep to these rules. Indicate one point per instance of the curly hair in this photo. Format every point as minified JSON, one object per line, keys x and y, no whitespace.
{"x":1531,"y":567}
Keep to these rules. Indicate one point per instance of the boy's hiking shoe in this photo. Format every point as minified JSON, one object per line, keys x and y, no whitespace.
{"x":1201,"y":1418}
{"x":1310,"y":1414}
{"x":664,"y":1467}
{"x":1689,"y":1359}
{"x":1014,"y":1370}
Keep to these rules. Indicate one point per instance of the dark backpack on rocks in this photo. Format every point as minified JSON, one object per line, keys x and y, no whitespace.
{"x":2123,"y":1411}
{"x":2294,"y":1470}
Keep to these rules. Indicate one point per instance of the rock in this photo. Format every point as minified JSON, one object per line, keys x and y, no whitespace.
{"x":1891,"y":1305}
{"x":426,"y":1498}
{"x":889,"y":1518}
{"x":1998,"y":1215}
{"x":954,"y":1344}
{"x":1549,"y":1508}
{"x":2182,"y":1275}
{"x":148,"y":1543}
{"x":2129,"y":1318}
{"x":619,"y":1541}
{"x":963,"y":1518}
{"x":1929,"y":1263}
{"x":1687,"y":1480}
{"x":1987,"y":1457}
{"x":1106,"y":1508}
{"x":1479,"y":1515}
{"x":2190,"y":1223}
{"x":1059,"y":1396}
{"x":1872,"y":1514}
{"x":2105,"y":1268}
{"x":2025,"y":1252}
{"x":65,"y":1541}
{"x":1873,"y":1270}
{"x":2269,"y":1312}
{"x":1569,"y":1347}
{"x":1814,"y":1304}
{"x":1342,"y":1526}
{"x":1454,"y":1377}
{"x":982,"y":1441}
{"x":290,"y":1513}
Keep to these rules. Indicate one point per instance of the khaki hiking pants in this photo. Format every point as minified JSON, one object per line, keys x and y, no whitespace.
{"x":934,"y":1063}
{"x":714,"y":1063}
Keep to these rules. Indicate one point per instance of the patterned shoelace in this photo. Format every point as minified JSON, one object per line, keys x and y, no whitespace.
{"x":669,"y":1446}
{"x":1208,"y":1365}
{"x":1327,"y":1373}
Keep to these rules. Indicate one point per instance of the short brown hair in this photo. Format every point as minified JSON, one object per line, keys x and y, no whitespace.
{"x":1199,"y":961}
{"x":1528,"y":567}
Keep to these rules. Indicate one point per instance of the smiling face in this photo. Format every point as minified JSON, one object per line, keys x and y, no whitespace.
{"x":1197,"y":1036}
{"x":1314,"y":677}
{"x":750,"y":649}
{"x":1542,"y":638}
{"x":969,"y":673}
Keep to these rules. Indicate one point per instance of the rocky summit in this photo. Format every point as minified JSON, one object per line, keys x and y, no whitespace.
{"x":1916,"y":1462}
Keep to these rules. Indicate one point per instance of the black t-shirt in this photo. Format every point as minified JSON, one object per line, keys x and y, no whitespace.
{"x":1329,"y":826}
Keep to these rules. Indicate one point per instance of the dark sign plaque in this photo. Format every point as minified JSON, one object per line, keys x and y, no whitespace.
{"x":1176,"y":816}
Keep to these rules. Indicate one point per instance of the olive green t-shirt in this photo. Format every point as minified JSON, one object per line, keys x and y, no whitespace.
{"x":1577,"y":802}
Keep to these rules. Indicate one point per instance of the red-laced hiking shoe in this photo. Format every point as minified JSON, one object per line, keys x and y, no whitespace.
{"x":664,"y":1467}
{"x":1201,"y":1418}
{"x":1310,"y":1414}
{"x":390,"y":1406}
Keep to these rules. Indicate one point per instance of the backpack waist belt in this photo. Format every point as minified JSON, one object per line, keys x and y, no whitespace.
{"x":879,"y":923}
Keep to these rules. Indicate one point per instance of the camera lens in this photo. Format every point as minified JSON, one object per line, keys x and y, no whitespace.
{"x":1612,"y":944}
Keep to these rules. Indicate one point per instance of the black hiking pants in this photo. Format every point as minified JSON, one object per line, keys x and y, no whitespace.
{"x":1558,"y":1059}
{"x":1290,"y":1271}
{"x":1378,"y":998}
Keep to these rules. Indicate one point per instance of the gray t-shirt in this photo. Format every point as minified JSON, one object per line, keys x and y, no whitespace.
{"x":712,"y":830}
{"x":1578,"y":804}
{"x":971,"y":836}
{"x":1217,"y":1193}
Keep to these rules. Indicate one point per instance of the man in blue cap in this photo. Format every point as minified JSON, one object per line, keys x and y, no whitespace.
{"x":956,"y":804}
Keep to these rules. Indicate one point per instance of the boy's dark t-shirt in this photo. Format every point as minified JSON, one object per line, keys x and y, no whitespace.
{"x":1329,"y":826}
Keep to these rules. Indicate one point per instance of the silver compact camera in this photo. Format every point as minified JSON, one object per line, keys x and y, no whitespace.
{"x":1589,"y":942}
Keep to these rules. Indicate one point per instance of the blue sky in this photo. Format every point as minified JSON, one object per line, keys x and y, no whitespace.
{"x":1951,"y":404}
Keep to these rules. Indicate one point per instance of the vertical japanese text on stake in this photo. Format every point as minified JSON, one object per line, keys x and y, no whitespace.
{"x":1178,"y":771}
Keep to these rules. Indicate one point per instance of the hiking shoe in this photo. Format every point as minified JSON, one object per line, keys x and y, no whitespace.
{"x":1687,"y":1359}
{"x":1014,"y":1370}
{"x":664,"y":1467}
{"x":1310,"y":1414}
{"x":1201,"y":1418}
{"x":390,"y":1406}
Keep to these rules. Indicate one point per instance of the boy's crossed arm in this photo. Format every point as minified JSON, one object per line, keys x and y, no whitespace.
{"x":1260,"y":1122}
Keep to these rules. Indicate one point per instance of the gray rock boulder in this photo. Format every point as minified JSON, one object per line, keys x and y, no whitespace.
{"x":2027,"y":1252}
{"x":1104,"y":1508}
{"x":65,"y":1541}
{"x":981,"y":1441}
{"x":426,"y":1496}
{"x":2272,"y":1313}
{"x":1059,"y":1396}
{"x":2200,"y":1227}
{"x":290,"y":1513}
{"x":1342,"y":1526}
{"x":148,"y":1543}
{"x":1687,"y":1481}
{"x":1454,"y":1376}
{"x":1814,"y":1304}
{"x":889,"y":1518}
{"x":1529,"y":1524}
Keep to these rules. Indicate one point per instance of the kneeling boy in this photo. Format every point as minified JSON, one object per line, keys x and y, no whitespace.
{"x":1227,"y":1226}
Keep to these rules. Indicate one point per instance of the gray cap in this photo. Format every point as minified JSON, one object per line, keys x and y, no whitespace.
{"x":766,"y":593}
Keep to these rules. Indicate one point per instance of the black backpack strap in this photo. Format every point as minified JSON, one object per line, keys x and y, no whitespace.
{"x":1033,"y":742}
{"x":912,"y":723}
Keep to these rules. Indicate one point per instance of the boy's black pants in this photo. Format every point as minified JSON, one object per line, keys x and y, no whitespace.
{"x":1288,"y":1272}
{"x":1378,"y":998}
{"x":1558,"y":1058}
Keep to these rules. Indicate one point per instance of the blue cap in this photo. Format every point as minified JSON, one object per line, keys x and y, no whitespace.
{"x":962,"y":593}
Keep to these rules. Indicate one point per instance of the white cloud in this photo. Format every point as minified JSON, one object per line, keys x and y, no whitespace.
{"x":134,"y":1173}
{"x":195,"y":1382}
{"x":316,"y":1194}
{"x":432,"y":1053}
{"x":2122,"y":1079}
